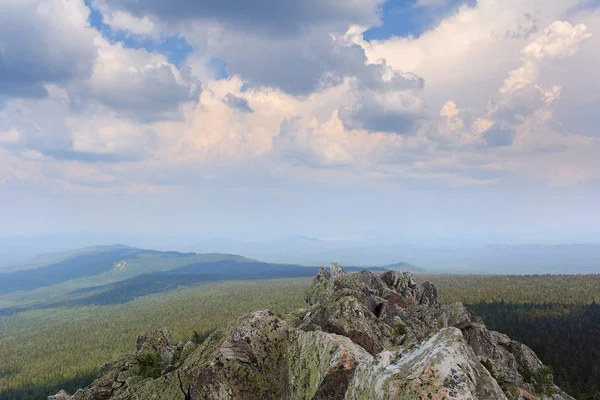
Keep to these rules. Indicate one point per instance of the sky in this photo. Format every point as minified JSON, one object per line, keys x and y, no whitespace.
{"x":314,"y":117}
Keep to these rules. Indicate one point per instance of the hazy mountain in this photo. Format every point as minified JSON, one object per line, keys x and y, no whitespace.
{"x":101,"y":264}
{"x":118,"y":273}
{"x":192,"y":274}
{"x":439,"y":255}
{"x":290,"y":249}
{"x":500,"y":259}
{"x":402,"y":266}
{"x":433,"y":254}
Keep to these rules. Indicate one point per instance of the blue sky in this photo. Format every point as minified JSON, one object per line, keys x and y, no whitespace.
{"x":174,"y":47}
{"x":316,"y":118}
{"x":410,"y":18}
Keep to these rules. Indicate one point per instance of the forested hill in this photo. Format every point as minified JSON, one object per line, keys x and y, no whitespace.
{"x":118,"y":274}
{"x":193,"y":274}
{"x":103,"y":263}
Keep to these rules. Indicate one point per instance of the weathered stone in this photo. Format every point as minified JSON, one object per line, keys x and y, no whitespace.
{"x":352,"y":319}
{"x":394,"y":298}
{"x":318,"y":290}
{"x":428,"y":295}
{"x":361,"y":336}
{"x":527,"y":361}
{"x":389,"y":278}
{"x":373,"y":285}
{"x":188,"y":348}
{"x":404,"y":284}
{"x":62,"y":395}
{"x":443,"y":367}
{"x":117,"y":385}
{"x":170,"y":368}
{"x":295,"y":318}
{"x":247,"y":364}
{"x":494,"y":347}
{"x":336,"y":270}
{"x":165,"y":387}
{"x":156,"y":342}
{"x":321,"y":365}
{"x":131,"y":381}
{"x":104,"y":368}
{"x":124,"y":375}
{"x":458,"y":315}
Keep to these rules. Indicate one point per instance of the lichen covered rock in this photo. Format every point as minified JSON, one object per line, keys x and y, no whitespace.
{"x":361,"y":336}
{"x":248,"y":363}
{"x":494,"y":347}
{"x":156,"y":342}
{"x":442,"y":367}
{"x":62,"y":395}
{"x":321,"y":365}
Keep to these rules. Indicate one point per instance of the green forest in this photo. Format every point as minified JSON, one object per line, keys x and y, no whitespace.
{"x":558,"y":316}
{"x":45,"y":350}
{"x":48,"y":349}
{"x":565,"y":336}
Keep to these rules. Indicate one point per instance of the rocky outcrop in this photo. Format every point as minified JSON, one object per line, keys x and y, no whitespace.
{"x":156,"y":342}
{"x":361,"y":336}
{"x":62,"y":395}
{"x":442,"y":367}
{"x":321,"y":363}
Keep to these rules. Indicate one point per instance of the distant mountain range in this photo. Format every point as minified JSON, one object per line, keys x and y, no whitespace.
{"x":117,"y":273}
{"x":103,"y":275}
{"x":453,"y":257}
{"x":433,"y":254}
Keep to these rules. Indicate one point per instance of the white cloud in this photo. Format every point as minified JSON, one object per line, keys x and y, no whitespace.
{"x":265,"y":17}
{"x":471,"y":101}
{"x":10,"y":136}
{"x":124,"y":21}
{"x":430,"y":3}
{"x":559,"y":40}
{"x":102,"y":135}
{"x":136,"y":83}
{"x":41,"y":42}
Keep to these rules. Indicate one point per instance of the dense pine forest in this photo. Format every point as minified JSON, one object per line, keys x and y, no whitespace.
{"x":44,"y":350}
{"x":558,"y":316}
{"x":565,"y":336}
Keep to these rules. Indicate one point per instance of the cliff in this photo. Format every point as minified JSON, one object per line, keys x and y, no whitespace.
{"x":361,"y":336}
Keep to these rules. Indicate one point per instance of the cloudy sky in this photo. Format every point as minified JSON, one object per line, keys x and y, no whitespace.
{"x":314,"y":117}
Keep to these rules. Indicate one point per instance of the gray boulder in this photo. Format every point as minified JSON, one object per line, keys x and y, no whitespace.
{"x":442,"y":367}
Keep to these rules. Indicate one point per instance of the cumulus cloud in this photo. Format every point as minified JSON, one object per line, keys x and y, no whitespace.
{"x":40,"y":123}
{"x":471,"y":101}
{"x":136,"y":83}
{"x":126,"y":22}
{"x":559,"y":40}
{"x":384,"y":111}
{"x":283,"y":45}
{"x":521,"y":95}
{"x":312,"y":145}
{"x":43,"y":42}
{"x":11,"y":136}
{"x":430,"y":3}
{"x":237,"y":103}
{"x":268,"y":17}
{"x":49,"y":128}
{"x":384,"y":99}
